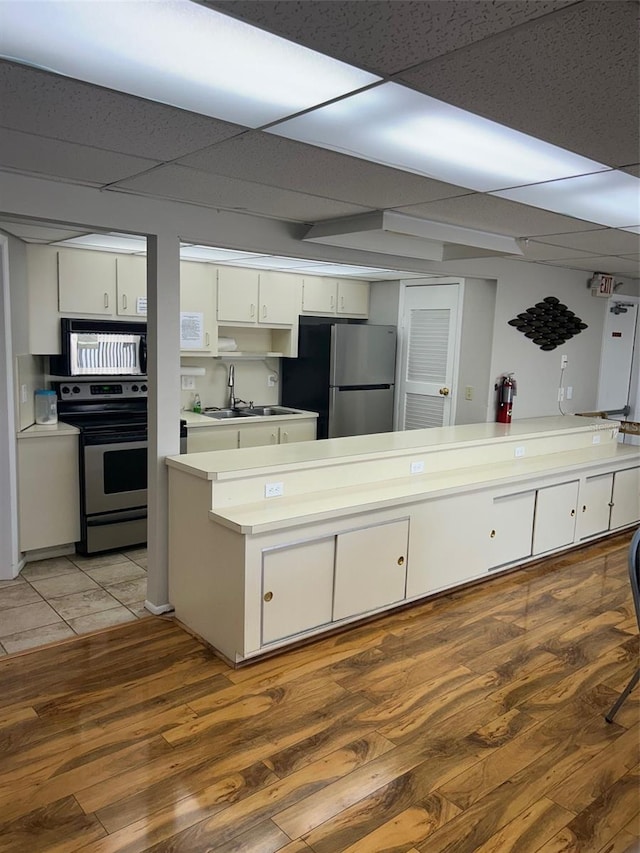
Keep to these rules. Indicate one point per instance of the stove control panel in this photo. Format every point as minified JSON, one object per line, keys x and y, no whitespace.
{"x":92,"y":390}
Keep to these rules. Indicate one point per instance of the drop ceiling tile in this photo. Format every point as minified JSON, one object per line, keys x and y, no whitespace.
{"x":570,"y":78}
{"x":38,"y":102}
{"x":536,"y":251}
{"x":627,"y":267}
{"x":26,"y":152}
{"x":275,"y":161}
{"x":603,"y":241}
{"x":383,"y":36}
{"x":191,"y":185}
{"x":496,"y":215}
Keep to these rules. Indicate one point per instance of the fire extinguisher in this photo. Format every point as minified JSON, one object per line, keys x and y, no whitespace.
{"x":507,"y":390}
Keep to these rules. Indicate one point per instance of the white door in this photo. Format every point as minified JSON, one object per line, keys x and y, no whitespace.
{"x":429,"y":347}
{"x":619,"y":371}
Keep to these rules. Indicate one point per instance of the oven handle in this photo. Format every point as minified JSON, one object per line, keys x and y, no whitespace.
{"x":116,"y":517}
{"x":142,"y":353}
{"x":122,"y":438}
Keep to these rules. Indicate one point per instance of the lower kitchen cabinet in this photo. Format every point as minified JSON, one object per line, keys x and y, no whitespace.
{"x":625,"y":498}
{"x":48,"y":491}
{"x":371,"y":568}
{"x":227,"y":437}
{"x":257,"y":435}
{"x":511,"y":528}
{"x":555,"y":517}
{"x":211,"y":438}
{"x":297,"y":588}
{"x":594,"y":505}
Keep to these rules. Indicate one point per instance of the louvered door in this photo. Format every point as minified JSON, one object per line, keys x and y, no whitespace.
{"x":430,"y":333}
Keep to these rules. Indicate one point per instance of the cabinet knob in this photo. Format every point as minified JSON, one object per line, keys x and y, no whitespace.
{"x":573,"y":512}
{"x":611,"y":504}
{"x":268,"y":596}
{"x":584,"y":508}
{"x":444,"y":392}
{"x":492,"y":534}
{"x":401,"y":561}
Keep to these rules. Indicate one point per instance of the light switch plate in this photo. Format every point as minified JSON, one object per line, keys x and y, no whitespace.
{"x":188,"y":383}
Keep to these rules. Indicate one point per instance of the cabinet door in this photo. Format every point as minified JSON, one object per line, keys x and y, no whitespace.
{"x":353,"y":298}
{"x":197,"y":297}
{"x":297,"y":587}
{"x":257,"y":435}
{"x":511,"y":529}
{"x":594,"y":505}
{"x":48,"y":491}
{"x":86,"y":282}
{"x":319,"y":295}
{"x":277,"y":298}
{"x":626,"y":498}
{"x":211,"y":438}
{"x":371,"y":568}
{"x":303,"y":430}
{"x":237,"y":295}
{"x":131,"y":286}
{"x":555,"y":517}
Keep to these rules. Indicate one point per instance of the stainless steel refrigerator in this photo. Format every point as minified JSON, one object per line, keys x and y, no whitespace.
{"x":346,"y":373}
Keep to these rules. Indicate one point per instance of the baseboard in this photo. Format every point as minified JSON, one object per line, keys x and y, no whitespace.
{"x":158,"y":609}
{"x":48,"y":553}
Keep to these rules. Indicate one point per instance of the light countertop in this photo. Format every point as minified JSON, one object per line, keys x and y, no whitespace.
{"x":194,"y":419}
{"x":48,"y":430}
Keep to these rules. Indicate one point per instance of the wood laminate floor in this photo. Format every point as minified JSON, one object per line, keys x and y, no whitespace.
{"x":472,"y":723}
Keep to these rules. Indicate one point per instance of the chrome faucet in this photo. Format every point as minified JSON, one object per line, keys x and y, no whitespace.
{"x":232,"y":387}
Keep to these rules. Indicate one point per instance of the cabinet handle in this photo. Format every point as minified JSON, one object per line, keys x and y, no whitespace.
{"x":285,"y":437}
{"x":401,"y":561}
{"x":264,"y":312}
{"x":124,"y":300}
{"x":274,"y":438}
{"x":106,"y":300}
{"x":611,"y":504}
{"x":584,"y":508}
{"x":207,"y":339}
{"x":332,"y":303}
{"x":573,"y":512}
{"x":252,"y":312}
{"x":342,"y":302}
{"x":268,"y":596}
{"x":492,"y":535}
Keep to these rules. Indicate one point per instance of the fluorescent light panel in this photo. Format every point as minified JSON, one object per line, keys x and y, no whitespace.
{"x":112,"y":242}
{"x":609,"y":198}
{"x":208,"y":253}
{"x":398,"y":127}
{"x":175,"y":52}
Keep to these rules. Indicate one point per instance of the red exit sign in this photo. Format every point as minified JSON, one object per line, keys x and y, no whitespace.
{"x":601,"y":285}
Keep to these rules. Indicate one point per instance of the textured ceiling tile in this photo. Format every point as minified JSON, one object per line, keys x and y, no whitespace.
{"x":25,"y":152}
{"x":504,"y":217}
{"x":386,"y":36}
{"x":275,"y":161}
{"x":37,"y":233}
{"x":604,"y":241}
{"x":191,"y":185}
{"x":535,"y":251}
{"x":570,"y":79}
{"x":604,"y":263}
{"x":38,"y":102}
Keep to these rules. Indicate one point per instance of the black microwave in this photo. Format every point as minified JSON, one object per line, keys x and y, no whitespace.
{"x":100,"y":348}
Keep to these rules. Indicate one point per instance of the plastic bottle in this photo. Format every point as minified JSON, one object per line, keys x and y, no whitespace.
{"x":197,"y":405}
{"x":46,"y":407}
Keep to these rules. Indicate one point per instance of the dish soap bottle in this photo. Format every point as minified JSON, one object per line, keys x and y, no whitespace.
{"x":197,"y":405}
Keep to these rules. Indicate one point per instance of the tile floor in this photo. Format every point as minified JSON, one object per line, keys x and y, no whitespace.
{"x":64,"y":596}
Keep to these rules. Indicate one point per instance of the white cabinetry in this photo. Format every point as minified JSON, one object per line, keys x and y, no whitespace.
{"x":594,"y":505}
{"x":511,"y":528}
{"x":297,"y":588}
{"x":256,"y":434}
{"x":371,"y":568}
{"x":276,"y":298}
{"x":197,"y":296}
{"x":86,"y":282}
{"x":555,"y":517}
{"x":626,"y":498}
{"x":131,"y":286}
{"x":329,"y":296}
{"x":48,"y":491}
{"x":249,"y":296}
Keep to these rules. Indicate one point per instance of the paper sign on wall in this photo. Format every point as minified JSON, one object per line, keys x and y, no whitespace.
{"x":191,"y":330}
{"x":141,"y":305}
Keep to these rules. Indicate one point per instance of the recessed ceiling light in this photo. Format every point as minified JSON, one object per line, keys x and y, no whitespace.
{"x":398,"y":127}
{"x":176,"y":52}
{"x":609,"y":198}
{"x":112,"y":242}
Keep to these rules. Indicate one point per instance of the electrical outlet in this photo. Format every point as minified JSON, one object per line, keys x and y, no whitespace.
{"x":273,"y":490}
{"x":564,"y":361}
{"x":272,"y":379}
{"x":188,"y":383}
{"x":417,"y":467}
{"x":519,"y":452}
{"x":468,"y":392}
{"x":596,"y":439}
{"x":569,"y":392}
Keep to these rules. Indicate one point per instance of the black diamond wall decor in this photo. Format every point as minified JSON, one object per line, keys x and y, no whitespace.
{"x":548,"y":324}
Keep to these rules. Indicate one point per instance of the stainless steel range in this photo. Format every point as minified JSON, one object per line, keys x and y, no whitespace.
{"x":112,"y":419}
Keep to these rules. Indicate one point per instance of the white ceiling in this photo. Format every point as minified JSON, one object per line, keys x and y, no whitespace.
{"x":562,"y":71}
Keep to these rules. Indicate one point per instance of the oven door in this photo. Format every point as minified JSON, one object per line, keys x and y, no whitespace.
{"x":115,"y":475}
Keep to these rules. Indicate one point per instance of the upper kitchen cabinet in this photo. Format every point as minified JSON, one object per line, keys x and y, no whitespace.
{"x":131,"y":286}
{"x":86,"y":282}
{"x":198,"y":332}
{"x":339,"y":297}
{"x":249,"y":296}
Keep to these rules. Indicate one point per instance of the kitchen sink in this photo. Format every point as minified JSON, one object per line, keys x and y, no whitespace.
{"x":224,"y":414}
{"x":269,"y":410}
